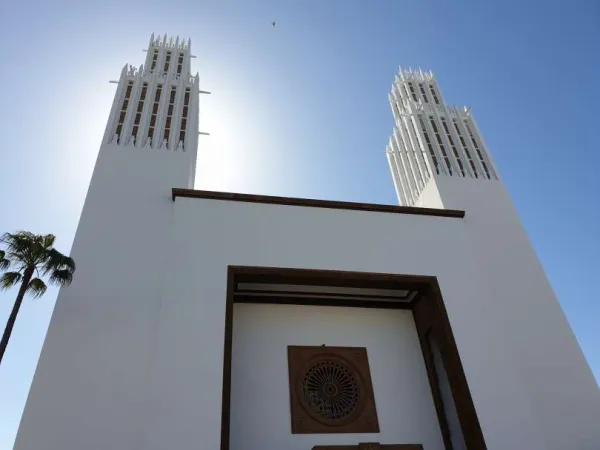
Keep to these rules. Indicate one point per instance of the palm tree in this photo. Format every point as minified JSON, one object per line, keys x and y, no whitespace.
{"x":32,"y":257}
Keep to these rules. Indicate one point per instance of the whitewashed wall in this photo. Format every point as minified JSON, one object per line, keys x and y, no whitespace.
{"x":92,"y":377}
{"x":136,"y":363}
{"x":260,"y":413}
{"x":300,"y":237}
{"x":554,"y":373}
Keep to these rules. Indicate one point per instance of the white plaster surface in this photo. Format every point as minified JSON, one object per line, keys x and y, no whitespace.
{"x":260,"y":386}
{"x":92,"y":374}
{"x":134,"y":352}
{"x":552,"y":368}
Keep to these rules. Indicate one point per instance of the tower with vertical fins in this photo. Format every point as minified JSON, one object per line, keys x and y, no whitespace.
{"x":431,"y":139}
{"x":122,"y":251}
{"x":439,"y":159}
{"x":182,"y":326}
{"x":156,"y":105}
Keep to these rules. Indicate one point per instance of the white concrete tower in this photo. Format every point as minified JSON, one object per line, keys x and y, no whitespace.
{"x":438,"y":159}
{"x":100,"y":340}
{"x":431,"y":138}
{"x":156,"y":106}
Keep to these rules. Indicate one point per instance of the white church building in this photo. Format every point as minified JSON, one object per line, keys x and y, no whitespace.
{"x":211,"y":320}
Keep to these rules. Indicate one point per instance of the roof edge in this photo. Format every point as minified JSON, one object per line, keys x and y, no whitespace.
{"x":313,"y":203}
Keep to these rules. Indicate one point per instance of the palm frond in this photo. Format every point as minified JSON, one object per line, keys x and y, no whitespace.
{"x":17,"y":241}
{"x":28,"y":248}
{"x":9,"y":279}
{"x":20,"y":246}
{"x":28,"y":251}
{"x":48,"y":241}
{"x":37,"y":253}
{"x":62,"y":277}
{"x":69,"y":264}
{"x":55,"y":260}
{"x":4,"y":262}
{"x":36,"y":288}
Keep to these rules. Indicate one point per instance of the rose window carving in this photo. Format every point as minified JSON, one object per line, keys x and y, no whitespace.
{"x":331,"y":390}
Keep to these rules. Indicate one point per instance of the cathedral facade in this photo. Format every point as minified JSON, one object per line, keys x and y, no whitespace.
{"x":214,"y":320}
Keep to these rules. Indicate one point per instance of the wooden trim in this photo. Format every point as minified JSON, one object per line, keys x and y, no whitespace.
{"x":431,"y":319}
{"x":299,"y":293}
{"x":435,"y":390}
{"x":228,"y":347}
{"x":428,"y":311}
{"x":339,"y":278}
{"x":314,"y":301}
{"x":313,"y":203}
{"x":324,"y":295}
{"x":461,"y":394}
{"x":370,"y":446}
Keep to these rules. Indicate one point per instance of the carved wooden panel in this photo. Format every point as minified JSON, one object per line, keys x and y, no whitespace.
{"x":331,"y":390}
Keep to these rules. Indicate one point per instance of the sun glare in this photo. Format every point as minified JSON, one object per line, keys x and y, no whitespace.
{"x":229,"y":157}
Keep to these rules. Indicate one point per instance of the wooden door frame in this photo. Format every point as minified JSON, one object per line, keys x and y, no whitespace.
{"x":429,"y":314}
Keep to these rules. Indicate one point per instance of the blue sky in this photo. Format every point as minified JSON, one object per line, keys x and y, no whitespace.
{"x":301,"y":110}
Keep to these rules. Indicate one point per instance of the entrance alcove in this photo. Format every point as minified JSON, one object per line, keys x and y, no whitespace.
{"x":340,"y":360}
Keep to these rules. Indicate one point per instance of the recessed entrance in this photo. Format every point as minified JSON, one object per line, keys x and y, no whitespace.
{"x":423,"y":357}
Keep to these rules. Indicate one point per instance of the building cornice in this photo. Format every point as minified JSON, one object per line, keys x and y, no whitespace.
{"x":313,"y":203}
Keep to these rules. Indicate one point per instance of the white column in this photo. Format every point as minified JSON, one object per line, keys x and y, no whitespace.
{"x":177,"y":110}
{"x":149,"y":52}
{"x":414,"y":143}
{"x":402,"y":151}
{"x":438,"y":113}
{"x":131,"y":108}
{"x":459,"y":146}
{"x":396,"y":178}
{"x":403,"y":170}
{"x":407,"y":142}
{"x":111,"y":124}
{"x":182,"y":84}
{"x":401,"y":164}
{"x":187,"y":60}
{"x":149,"y":78}
{"x":164,"y":100}
{"x":438,"y":91}
{"x":484,"y":149}
{"x":422,"y":148}
{"x":471,"y":145}
{"x":394,"y":105}
{"x":435,"y":145}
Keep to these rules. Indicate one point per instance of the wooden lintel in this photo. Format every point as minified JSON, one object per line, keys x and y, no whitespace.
{"x":370,"y":446}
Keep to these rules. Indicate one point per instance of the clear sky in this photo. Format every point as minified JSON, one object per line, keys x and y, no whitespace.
{"x":301,"y":110}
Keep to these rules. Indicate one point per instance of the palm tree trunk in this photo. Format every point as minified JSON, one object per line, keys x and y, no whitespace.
{"x":15,"y":311}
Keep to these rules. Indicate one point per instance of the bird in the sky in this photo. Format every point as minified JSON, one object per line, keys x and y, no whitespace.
{"x":273,"y":24}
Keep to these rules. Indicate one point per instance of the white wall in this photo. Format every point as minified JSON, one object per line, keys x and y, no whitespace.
{"x":430,"y":196}
{"x":92,"y":377}
{"x":564,"y":394}
{"x":260,"y":401}
{"x":136,"y":363}
{"x":301,"y":237}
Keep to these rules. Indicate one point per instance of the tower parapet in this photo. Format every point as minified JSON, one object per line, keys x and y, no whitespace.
{"x":431,"y":138}
{"x":156,"y":105}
